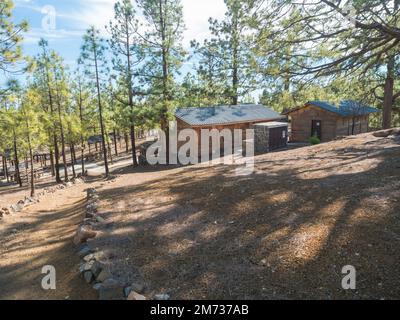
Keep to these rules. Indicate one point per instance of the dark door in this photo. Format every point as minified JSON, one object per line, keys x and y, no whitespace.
{"x":278,"y":138}
{"x":316,"y":129}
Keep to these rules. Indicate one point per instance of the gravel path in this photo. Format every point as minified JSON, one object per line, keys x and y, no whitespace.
{"x":42,"y":235}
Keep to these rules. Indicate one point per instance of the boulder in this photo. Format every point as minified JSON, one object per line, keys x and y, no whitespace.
{"x":100,"y":219}
{"x":103,"y":276}
{"x":90,"y":192}
{"x":127,"y":291}
{"x":16,"y":208}
{"x":136,"y":296}
{"x":94,"y":256}
{"x":92,"y":207}
{"x":94,"y":267}
{"x":111,"y":290}
{"x":83,"y":234}
{"x":387,"y":133}
{"x":84,"y":251}
{"x":88,"y":276}
{"x":138,"y":287}
{"x":89,"y":215}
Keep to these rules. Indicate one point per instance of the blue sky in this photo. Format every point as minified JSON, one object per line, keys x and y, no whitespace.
{"x":73,"y":17}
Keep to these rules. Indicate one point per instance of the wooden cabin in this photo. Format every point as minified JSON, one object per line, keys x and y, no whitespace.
{"x":328,"y":121}
{"x":246,"y":116}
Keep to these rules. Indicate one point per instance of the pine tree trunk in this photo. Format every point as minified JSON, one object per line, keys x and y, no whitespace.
{"x":107,"y":172}
{"x":16,"y":161}
{"x":72,"y":152}
{"x":115,"y":143}
{"x":388,"y":96}
{"x":57,"y":159}
{"x":31,"y":159}
{"x":126,"y":142}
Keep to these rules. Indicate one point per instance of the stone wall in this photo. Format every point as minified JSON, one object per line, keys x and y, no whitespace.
{"x":261,"y":138}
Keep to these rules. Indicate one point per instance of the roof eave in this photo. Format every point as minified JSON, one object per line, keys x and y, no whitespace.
{"x":196,"y":125}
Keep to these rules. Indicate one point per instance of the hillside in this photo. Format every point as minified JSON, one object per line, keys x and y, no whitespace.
{"x":284,"y":232}
{"x":202,"y":232}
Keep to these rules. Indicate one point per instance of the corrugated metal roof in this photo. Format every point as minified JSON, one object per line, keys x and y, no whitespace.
{"x":226,"y":114}
{"x":346,"y":108}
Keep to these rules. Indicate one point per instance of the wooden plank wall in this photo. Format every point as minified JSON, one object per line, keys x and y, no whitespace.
{"x":302,"y":122}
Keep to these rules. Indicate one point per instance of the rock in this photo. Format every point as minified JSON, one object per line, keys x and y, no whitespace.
{"x":6,"y":211}
{"x":100,"y":219}
{"x":111,"y":290}
{"x":84,"y":251}
{"x":86,"y":266}
{"x":103,"y":276}
{"x":387,"y":133}
{"x":94,"y":256}
{"x":88,"y":275}
{"x":16,"y":208}
{"x":136,"y":296}
{"x":94,"y":267}
{"x":127,"y":291}
{"x":97,"y":286}
{"x":89,"y":215}
{"x":94,"y":197}
{"x":162,"y":297}
{"x":89,"y":257}
{"x":138,"y":287}
{"x":90,"y":192}
{"x":83,"y":234}
{"x":92,"y":207}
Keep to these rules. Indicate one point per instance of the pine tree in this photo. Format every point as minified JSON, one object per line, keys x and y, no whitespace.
{"x":93,"y":55}
{"x":164,"y":53}
{"x":127,"y":55}
{"x":227,"y":58}
{"x":10,"y":37}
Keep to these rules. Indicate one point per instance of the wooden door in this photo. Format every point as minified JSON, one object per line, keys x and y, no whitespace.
{"x":278,"y":138}
{"x":316,"y":129}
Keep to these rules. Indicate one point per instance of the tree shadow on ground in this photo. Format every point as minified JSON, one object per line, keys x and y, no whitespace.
{"x":283,"y":233}
{"x":24,"y":254}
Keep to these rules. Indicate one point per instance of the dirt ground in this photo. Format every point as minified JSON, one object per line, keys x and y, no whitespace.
{"x":41,"y":235}
{"x":284,"y":232}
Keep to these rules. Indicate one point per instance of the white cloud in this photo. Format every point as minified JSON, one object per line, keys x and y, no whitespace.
{"x":196,"y":14}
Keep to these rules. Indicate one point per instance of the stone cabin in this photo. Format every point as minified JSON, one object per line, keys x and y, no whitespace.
{"x":245,"y":116}
{"x":328,"y":121}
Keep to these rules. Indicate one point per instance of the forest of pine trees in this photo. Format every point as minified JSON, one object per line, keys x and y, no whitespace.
{"x":279,"y":53}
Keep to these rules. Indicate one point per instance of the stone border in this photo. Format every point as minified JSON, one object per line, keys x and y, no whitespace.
{"x":28,"y":201}
{"x":93,"y":270}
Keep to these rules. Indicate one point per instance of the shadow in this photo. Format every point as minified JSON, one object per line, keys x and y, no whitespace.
{"x":284,"y":232}
{"x":36,"y":241}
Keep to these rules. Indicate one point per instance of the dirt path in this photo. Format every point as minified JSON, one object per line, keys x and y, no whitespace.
{"x":42,"y":235}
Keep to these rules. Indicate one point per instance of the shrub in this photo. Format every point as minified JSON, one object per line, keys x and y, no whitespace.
{"x":315,"y":140}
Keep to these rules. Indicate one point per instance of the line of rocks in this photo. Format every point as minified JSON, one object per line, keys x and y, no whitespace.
{"x":28,"y":201}
{"x":93,"y":268}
